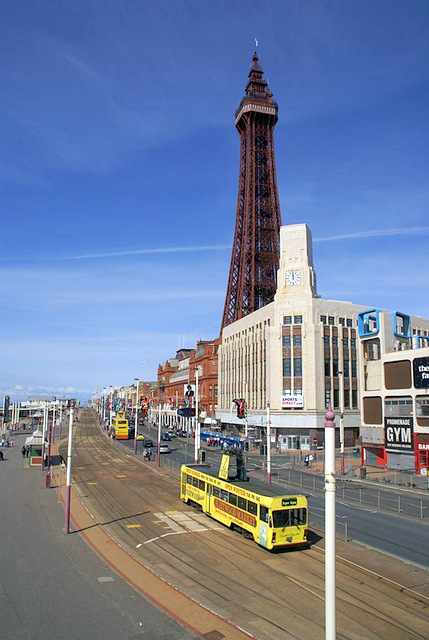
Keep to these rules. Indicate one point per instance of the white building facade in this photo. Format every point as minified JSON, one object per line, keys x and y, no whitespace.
{"x":298,"y":354}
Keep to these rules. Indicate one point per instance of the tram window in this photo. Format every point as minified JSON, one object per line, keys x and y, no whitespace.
{"x":201,"y":485}
{"x":195,"y":482}
{"x":189,"y":479}
{"x":242,"y":504}
{"x":263,"y":514}
{"x":232,"y":499}
{"x":289,"y":518}
{"x":216,"y":492}
{"x":252,"y":507}
{"x":224,"y":495}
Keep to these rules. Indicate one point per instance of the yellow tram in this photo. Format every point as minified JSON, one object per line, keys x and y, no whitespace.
{"x":120,"y":427}
{"x":258,"y":510}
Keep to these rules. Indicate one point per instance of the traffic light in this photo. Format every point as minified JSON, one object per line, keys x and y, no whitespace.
{"x":203,"y":456}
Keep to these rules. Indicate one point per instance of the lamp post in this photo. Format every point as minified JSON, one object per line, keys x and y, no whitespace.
{"x":111,"y":406}
{"x":268,"y":444}
{"x":45,"y":425}
{"x":159,"y":432}
{"x":197,"y":422}
{"x":137,"y":410}
{"x":68,"y":480}
{"x":330,"y":613}
{"x":340,"y":374}
{"x":246,"y":428}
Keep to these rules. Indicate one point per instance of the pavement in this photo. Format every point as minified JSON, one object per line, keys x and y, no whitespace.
{"x":52,"y":585}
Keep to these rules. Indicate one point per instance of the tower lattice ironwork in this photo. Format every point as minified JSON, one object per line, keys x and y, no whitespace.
{"x":255,"y":252}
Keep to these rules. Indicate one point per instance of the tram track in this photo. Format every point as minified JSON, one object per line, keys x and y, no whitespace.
{"x":271,"y":596}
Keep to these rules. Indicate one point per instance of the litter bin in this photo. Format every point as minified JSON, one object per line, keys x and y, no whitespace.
{"x":363,"y":473}
{"x":48,"y":480}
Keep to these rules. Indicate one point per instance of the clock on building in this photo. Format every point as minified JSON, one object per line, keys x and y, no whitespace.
{"x":293,"y":278}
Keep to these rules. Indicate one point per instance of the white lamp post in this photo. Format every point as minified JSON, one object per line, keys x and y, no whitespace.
{"x":340,"y":374}
{"x":159,"y":433}
{"x":268,"y":444}
{"x":330,"y":613}
{"x":197,"y":422}
{"x":68,"y":481}
{"x":137,"y":410}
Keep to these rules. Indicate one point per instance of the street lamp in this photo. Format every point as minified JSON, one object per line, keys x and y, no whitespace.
{"x":137,"y":410}
{"x":197,"y":422}
{"x":268,"y":444}
{"x":340,"y":374}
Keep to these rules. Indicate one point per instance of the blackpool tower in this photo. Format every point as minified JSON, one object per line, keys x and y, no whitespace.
{"x":255,"y":251}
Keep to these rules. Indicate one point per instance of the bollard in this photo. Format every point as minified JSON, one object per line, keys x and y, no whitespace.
{"x":48,"y":480}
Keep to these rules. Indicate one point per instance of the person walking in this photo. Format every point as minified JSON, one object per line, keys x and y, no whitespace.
{"x":27,"y":450}
{"x":23,"y":451}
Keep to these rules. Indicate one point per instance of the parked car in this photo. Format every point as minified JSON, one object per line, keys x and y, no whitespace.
{"x":171,"y":433}
{"x":148,"y":443}
{"x":164,"y":448}
{"x":165,"y":436}
{"x":181,"y":433}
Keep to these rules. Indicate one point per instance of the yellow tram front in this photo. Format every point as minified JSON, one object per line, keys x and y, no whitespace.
{"x":120,"y":427}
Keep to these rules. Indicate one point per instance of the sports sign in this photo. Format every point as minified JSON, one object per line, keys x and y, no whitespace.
{"x":294,"y":402}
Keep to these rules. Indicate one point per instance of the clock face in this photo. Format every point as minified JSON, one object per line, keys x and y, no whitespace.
{"x":293,"y":278}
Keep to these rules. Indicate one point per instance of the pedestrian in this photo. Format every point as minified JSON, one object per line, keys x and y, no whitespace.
{"x":149,"y":454}
{"x":1,"y":455}
{"x":23,"y":450}
{"x":27,"y":450}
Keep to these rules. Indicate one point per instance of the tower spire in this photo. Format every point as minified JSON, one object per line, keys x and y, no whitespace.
{"x":255,"y":253}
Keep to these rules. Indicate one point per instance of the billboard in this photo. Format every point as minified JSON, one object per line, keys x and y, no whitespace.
{"x":292,"y":402}
{"x":421,"y":373}
{"x":398,"y":434}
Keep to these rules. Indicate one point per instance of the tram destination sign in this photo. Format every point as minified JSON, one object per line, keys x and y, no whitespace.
{"x":398,"y":434}
{"x":421,"y":373}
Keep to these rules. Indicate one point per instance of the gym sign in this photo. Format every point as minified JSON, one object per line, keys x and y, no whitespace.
{"x":398,"y":434}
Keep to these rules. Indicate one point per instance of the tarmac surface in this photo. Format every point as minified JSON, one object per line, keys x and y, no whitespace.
{"x":54,"y":586}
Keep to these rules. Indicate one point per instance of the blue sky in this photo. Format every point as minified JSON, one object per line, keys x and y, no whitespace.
{"x":120,"y":167}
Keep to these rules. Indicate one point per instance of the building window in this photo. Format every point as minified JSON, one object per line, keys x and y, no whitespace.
{"x":286,"y":341}
{"x":327,"y":397}
{"x":353,"y":343}
{"x":297,"y":367}
{"x":327,"y":368}
{"x":345,"y":343}
{"x":331,"y":320}
{"x":346,"y":399}
{"x":323,"y":319}
{"x":297,"y":341}
{"x":286,"y":392}
{"x":326,"y":341}
{"x":287,"y":319}
{"x":298,"y":392}
{"x":354,"y":368}
{"x":354,"y":399}
{"x":336,"y":398}
{"x":297,"y":319}
{"x":342,"y":321}
{"x":335,"y":367}
{"x":215,"y":390}
{"x":399,"y":407}
{"x":349,"y":322}
{"x":335,"y":342}
{"x":286,"y":367}
{"x":346,"y":365}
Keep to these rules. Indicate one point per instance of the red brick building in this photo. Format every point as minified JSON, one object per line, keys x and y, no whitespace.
{"x":175,"y":374}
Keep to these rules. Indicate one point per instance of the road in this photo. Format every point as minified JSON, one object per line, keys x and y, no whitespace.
{"x":272,"y":596}
{"x":399,"y":535}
